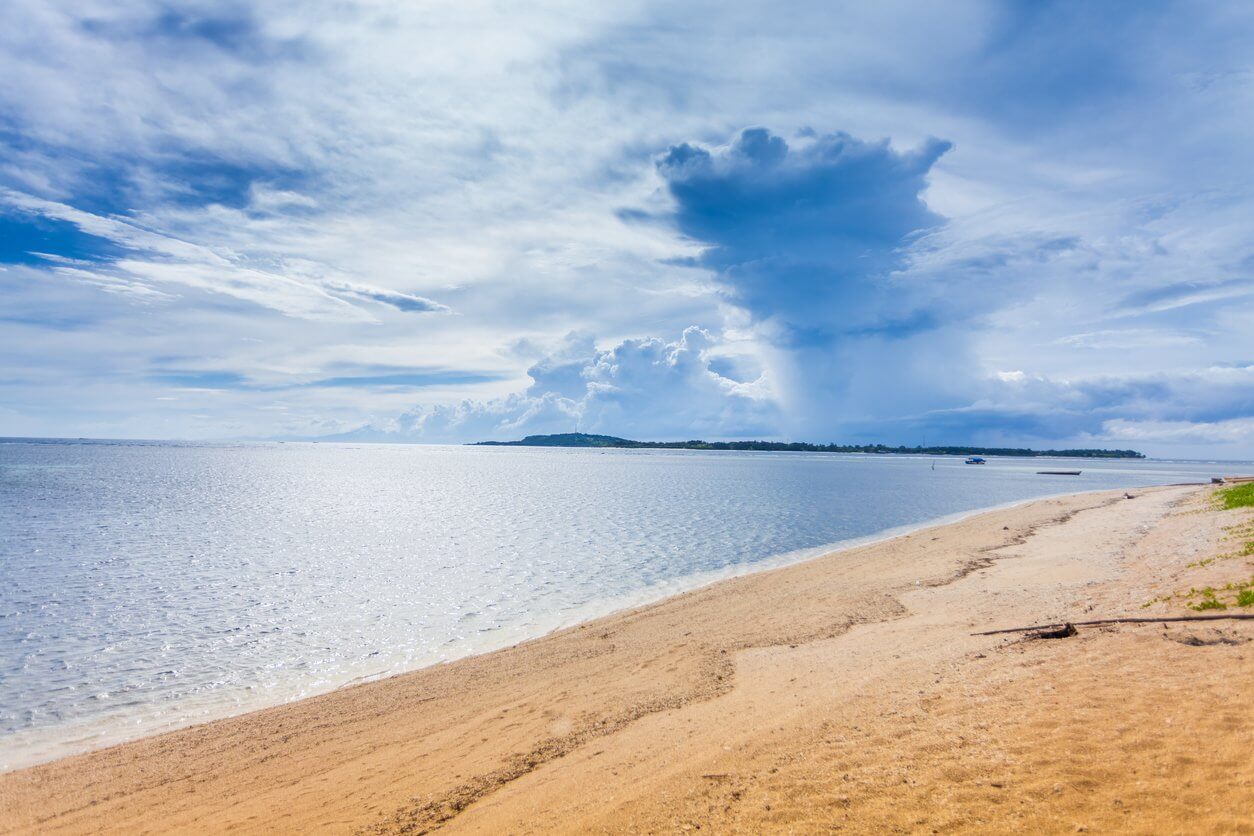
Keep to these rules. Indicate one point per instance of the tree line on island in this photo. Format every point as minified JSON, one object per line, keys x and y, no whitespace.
{"x":588,"y":440}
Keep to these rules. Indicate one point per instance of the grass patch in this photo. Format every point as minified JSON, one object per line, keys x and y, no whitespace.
{"x":1238,"y":496}
{"x":1243,"y":531}
{"x":1239,"y":594}
{"x":1247,"y":550}
{"x":1208,"y":601}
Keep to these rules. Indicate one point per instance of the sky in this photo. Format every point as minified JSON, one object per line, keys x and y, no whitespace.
{"x":987,"y":223}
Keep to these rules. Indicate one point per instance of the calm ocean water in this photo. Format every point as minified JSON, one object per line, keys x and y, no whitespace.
{"x":144,"y":586}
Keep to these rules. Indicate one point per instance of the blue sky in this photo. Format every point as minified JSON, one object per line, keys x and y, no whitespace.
{"x":975,"y":222}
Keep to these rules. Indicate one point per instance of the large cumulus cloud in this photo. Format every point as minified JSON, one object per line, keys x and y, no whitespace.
{"x":645,"y":388}
{"x":808,"y":237}
{"x":854,"y":313}
{"x":803,"y":239}
{"x":806,"y":234}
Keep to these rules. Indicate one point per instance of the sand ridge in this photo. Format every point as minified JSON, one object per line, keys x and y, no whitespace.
{"x":841,"y":693}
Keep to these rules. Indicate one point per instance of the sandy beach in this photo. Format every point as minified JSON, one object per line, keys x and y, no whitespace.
{"x":847,"y":693}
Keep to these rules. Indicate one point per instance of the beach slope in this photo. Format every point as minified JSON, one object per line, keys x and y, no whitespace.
{"x":847,"y":692}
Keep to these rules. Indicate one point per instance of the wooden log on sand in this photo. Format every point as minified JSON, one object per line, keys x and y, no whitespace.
{"x":1101,"y":621}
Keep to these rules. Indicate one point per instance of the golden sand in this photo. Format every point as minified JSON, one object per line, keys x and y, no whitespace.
{"x":845,"y":693}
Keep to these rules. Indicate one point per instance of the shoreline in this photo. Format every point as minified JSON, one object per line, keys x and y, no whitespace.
{"x":88,"y":742}
{"x":489,"y":741}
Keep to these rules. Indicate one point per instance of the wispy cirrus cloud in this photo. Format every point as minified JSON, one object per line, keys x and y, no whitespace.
{"x":124,"y":256}
{"x":391,"y":378}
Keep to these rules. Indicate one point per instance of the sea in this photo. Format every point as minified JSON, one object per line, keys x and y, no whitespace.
{"x":146,"y":586}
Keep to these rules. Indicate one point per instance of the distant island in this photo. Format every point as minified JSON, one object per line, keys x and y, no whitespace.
{"x":587,"y":440}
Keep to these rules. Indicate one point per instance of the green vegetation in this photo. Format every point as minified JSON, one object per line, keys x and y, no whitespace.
{"x":1244,"y":592}
{"x":588,"y":440}
{"x":1241,"y":593}
{"x":1238,"y":496}
{"x":1208,"y":601}
{"x":1245,"y":550}
{"x":1209,"y":598}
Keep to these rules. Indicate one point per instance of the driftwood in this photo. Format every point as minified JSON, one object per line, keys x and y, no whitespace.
{"x":1065,"y":632}
{"x":1062,"y":626}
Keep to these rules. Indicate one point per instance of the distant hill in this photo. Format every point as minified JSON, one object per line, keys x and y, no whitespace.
{"x":566,"y":440}
{"x":587,"y":440}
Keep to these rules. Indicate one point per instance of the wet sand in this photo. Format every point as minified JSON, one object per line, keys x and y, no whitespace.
{"x":844,"y":693}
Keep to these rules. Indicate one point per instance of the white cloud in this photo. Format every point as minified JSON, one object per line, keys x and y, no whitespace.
{"x":1129,"y":338}
{"x":171,"y":261}
{"x":646,"y":389}
{"x":301,"y":188}
{"x":1233,"y":431}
